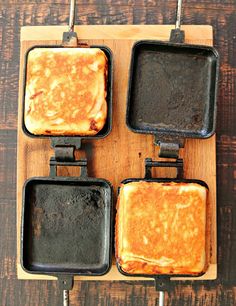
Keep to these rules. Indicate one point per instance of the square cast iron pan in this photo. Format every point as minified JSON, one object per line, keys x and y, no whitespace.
{"x":52,"y":234}
{"x":162,"y":281}
{"x":172,"y":89}
{"x":74,"y":139}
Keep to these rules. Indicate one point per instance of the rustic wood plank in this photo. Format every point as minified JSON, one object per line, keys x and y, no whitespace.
{"x":202,"y":33}
{"x":8,"y":165}
{"x":126,"y":153}
{"x":12,"y":291}
{"x":226,"y":169}
{"x":143,"y":293}
{"x":131,"y":3}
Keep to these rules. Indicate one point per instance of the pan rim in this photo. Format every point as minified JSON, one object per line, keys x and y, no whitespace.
{"x":164,"y":179}
{"x":178,"y":45}
{"x":158,"y":276}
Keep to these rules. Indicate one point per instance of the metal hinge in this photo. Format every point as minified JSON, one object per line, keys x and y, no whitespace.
{"x":169,"y":150}
{"x":65,"y":147}
{"x":169,"y":145}
{"x":64,"y":154}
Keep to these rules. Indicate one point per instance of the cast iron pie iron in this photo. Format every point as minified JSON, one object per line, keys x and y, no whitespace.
{"x":172,"y":90}
{"x":67,"y":226}
{"x":70,"y":40}
{"x":67,"y":221}
{"x":163,"y":281}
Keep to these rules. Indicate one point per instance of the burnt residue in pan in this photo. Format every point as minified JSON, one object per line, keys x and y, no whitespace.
{"x":170,"y":89}
{"x":67,"y":226}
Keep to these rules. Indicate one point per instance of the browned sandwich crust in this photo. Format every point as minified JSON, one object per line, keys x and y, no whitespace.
{"x":66,"y":91}
{"x":161,"y":228}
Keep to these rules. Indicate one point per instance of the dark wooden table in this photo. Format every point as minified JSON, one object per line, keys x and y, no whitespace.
{"x":220,"y":14}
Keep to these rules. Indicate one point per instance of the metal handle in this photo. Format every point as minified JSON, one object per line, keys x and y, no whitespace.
{"x":161,"y":298}
{"x":70,"y":39}
{"x":80,"y":163}
{"x":178,"y":15}
{"x":65,"y":297}
{"x":176,"y":35}
{"x":149,"y":164}
{"x":72,"y":16}
{"x":65,"y":284}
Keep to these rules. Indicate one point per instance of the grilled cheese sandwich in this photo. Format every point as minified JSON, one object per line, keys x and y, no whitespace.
{"x":65,"y":91}
{"x":161,"y":228}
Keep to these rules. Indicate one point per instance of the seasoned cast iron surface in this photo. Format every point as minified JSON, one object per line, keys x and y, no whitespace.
{"x":66,"y":226}
{"x":170,"y":89}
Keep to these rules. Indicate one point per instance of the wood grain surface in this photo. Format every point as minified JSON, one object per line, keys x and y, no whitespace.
{"x":220,"y":14}
{"x":125,"y":151}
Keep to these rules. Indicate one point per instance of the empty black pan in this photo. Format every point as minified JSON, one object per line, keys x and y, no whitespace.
{"x":172,"y":88}
{"x":66,"y":225}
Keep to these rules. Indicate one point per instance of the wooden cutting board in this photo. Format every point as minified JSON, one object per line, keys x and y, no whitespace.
{"x":120,"y":155}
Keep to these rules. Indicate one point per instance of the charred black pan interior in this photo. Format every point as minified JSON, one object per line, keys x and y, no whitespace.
{"x":66,"y":226}
{"x":172,"y":87}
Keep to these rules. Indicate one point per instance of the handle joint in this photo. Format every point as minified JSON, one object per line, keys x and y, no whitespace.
{"x":64,"y":148}
{"x":82,"y":163}
{"x":178,"y":164}
{"x":64,"y":153}
{"x":70,"y":38}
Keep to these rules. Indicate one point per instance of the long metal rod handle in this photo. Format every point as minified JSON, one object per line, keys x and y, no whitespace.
{"x":72,"y":16}
{"x":178,"y":14}
{"x":161,"y":298}
{"x":65,"y":297}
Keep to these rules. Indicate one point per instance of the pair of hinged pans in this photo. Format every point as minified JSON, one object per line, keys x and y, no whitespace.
{"x":172,"y":91}
{"x":67,"y":225}
{"x":162,"y":281}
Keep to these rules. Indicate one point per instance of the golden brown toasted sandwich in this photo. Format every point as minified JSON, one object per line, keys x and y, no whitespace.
{"x":161,"y":228}
{"x":66,"y":91}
